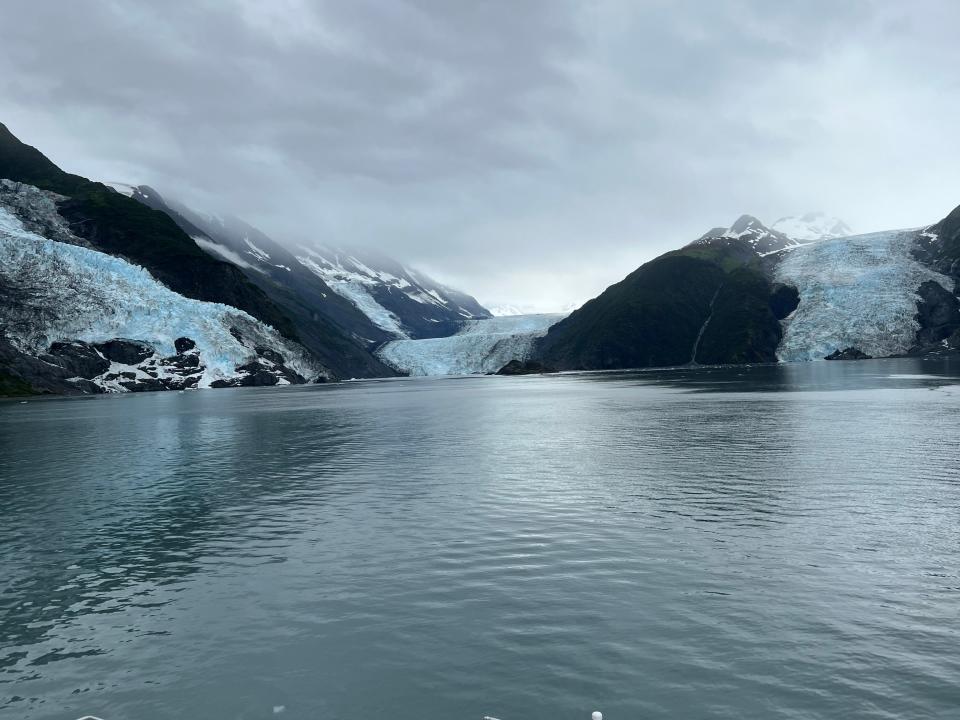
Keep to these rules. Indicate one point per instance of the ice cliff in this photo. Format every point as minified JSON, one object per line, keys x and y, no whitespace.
{"x":481,"y":346}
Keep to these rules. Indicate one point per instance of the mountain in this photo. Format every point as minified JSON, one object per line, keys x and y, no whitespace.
{"x":100,"y":292}
{"x":117,"y":225}
{"x":108,"y":287}
{"x":77,"y":320}
{"x":748,"y":293}
{"x":112,"y":287}
{"x":398,"y":300}
{"x":749,"y":234}
{"x":334,"y":329}
{"x":370,"y":297}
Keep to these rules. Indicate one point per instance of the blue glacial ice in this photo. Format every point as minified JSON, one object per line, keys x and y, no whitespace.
{"x":58,"y":291}
{"x":481,"y":346}
{"x":858,"y":291}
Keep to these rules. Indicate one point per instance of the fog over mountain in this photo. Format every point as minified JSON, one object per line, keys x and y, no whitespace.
{"x":530,"y":153}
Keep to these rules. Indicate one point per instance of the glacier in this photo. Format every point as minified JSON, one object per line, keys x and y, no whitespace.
{"x":858,"y":291}
{"x":481,"y":346}
{"x":54,"y":291}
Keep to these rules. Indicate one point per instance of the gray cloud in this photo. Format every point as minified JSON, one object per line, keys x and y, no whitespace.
{"x":530,"y":152}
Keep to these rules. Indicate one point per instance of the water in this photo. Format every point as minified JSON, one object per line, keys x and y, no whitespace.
{"x":770,"y":542}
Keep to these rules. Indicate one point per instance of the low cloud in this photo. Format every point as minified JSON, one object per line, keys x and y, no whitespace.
{"x":529,"y":152}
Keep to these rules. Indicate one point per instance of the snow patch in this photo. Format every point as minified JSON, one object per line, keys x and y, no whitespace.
{"x":261,"y":255}
{"x":357,"y":293}
{"x":122,"y":188}
{"x":223,"y":252}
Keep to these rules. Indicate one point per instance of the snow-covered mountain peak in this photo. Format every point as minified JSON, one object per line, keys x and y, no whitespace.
{"x":746,"y":224}
{"x":749,"y":229}
{"x":787,"y":232}
{"x":812,"y":226}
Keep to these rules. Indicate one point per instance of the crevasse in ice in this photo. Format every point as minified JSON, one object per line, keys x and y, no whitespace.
{"x":858,"y":291}
{"x":481,"y":346}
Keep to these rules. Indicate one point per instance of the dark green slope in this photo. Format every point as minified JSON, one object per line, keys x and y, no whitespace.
{"x":742,"y":327}
{"x":943,"y":252}
{"x":120,"y":226}
{"x":704,"y":304}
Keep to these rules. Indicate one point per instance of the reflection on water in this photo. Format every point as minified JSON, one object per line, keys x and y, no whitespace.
{"x":772,"y":541}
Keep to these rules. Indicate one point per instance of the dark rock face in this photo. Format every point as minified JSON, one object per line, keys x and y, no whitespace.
{"x":938,"y":313}
{"x":72,"y":367}
{"x":850,"y":353}
{"x":80,"y":359}
{"x":261,"y":373}
{"x":257,"y":376}
{"x":528,"y":367}
{"x":784,"y":300}
{"x":182,"y":344}
{"x":269,"y":354}
{"x":125,"y":352}
{"x":22,"y":374}
{"x":183,"y":360}
{"x":940,"y":248}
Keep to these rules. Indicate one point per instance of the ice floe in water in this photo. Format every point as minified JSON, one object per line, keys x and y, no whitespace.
{"x":858,"y":291}
{"x":482,"y":346}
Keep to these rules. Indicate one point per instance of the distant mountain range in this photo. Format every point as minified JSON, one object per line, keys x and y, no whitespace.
{"x":115,"y":287}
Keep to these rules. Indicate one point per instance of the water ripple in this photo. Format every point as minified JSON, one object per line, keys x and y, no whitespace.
{"x":758,"y":542}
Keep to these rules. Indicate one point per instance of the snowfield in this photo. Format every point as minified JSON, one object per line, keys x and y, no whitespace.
{"x":355,"y":288}
{"x":812,"y":227}
{"x":56,"y":292}
{"x":482,"y":346}
{"x":351,"y":278}
{"x":858,"y":291}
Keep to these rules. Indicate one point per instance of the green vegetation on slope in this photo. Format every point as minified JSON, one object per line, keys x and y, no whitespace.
{"x":654,"y":316}
{"x":742,"y":327}
{"x":650,"y":318}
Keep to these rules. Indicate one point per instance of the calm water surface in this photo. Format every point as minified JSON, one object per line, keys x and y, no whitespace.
{"x":770,"y":542}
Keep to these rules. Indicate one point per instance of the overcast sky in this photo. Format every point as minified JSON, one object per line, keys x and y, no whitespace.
{"x":528,"y":151}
